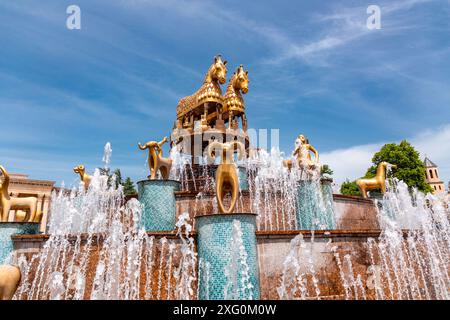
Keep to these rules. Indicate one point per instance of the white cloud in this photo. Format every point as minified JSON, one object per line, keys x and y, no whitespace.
{"x":353,"y":162}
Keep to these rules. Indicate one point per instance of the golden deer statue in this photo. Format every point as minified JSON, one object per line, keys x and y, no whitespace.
{"x":209,"y":92}
{"x":155,"y":160}
{"x":233,"y":101}
{"x":86,"y":178}
{"x":302,"y":153}
{"x":7,"y":202}
{"x":9,"y":281}
{"x":377,"y":182}
{"x":226,"y":175}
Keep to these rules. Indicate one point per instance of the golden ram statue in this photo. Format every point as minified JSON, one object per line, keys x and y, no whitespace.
{"x":156,"y":162}
{"x":86,"y":178}
{"x":226,"y":175}
{"x":9,"y":281}
{"x":7,"y":202}
{"x":377,"y":182}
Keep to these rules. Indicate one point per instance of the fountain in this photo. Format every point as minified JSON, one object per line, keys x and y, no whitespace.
{"x":210,"y":225}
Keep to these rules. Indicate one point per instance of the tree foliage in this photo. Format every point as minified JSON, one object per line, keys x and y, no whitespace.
{"x":349,"y":188}
{"x":326,"y":170}
{"x":410,"y":167}
{"x":128,"y":187}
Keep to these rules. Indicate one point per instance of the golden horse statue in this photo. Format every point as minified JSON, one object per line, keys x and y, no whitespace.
{"x":8,"y":202}
{"x":302,"y":153}
{"x":377,"y":182}
{"x":233,"y":102}
{"x":155,"y":160}
{"x":86,"y":178}
{"x":226,"y":175}
{"x":209,"y":92}
{"x":9,"y":281}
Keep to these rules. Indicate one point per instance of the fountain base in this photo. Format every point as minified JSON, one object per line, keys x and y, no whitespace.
{"x":158,"y":199}
{"x":8,"y":229}
{"x":225,"y":253}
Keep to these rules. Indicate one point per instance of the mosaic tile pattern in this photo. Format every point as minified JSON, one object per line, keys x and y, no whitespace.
{"x":7,"y":229}
{"x":315,"y":211}
{"x":158,"y":199}
{"x":243,"y":178}
{"x":214,"y":234}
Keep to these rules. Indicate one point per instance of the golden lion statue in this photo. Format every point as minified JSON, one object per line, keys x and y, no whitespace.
{"x":9,"y":281}
{"x":155,"y":160}
{"x":377,"y":182}
{"x":86,"y":178}
{"x":226,"y":175}
{"x":7,"y":202}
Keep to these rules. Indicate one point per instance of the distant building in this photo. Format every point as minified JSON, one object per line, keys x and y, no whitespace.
{"x":432,"y":176}
{"x":21,"y":186}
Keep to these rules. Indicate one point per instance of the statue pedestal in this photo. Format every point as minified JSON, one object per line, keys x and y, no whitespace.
{"x":315,"y":207}
{"x":223,"y":264}
{"x":8,"y":229}
{"x":158,"y":199}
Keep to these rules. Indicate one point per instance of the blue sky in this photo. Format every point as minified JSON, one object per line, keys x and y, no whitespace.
{"x":314,"y":67}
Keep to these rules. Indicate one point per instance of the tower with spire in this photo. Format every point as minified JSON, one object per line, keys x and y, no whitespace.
{"x":432,"y":176}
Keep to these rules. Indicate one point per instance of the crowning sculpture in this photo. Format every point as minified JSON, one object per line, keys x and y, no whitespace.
{"x":7,"y":202}
{"x":377,"y":182}
{"x":207,"y":114}
{"x":209,"y":96}
{"x":86,"y":178}
{"x":155,"y":159}
{"x":226,"y":175}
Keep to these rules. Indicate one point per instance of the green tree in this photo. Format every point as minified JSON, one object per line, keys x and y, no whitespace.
{"x":128,"y":187}
{"x":325,"y":169}
{"x":410,"y":168}
{"x":349,"y":188}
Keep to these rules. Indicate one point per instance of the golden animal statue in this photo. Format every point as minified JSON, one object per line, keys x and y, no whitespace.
{"x":155,"y":160}
{"x":226,"y":175}
{"x":377,"y":182}
{"x":7,"y":202}
{"x":209,"y":92}
{"x":302,"y":153}
{"x":233,"y":102}
{"x":9,"y":281}
{"x":86,"y":178}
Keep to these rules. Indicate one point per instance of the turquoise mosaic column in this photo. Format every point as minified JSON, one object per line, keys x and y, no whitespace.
{"x":8,"y":229}
{"x":216,"y":251}
{"x":158,"y":199}
{"x":315,"y":207}
{"x":243,"y":178}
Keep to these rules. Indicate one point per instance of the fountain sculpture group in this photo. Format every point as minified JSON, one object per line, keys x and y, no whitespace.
{"x":232,"y":230}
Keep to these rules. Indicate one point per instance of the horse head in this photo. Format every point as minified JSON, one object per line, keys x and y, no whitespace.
{"x":240,"y":80}
{"x":218,"y":71}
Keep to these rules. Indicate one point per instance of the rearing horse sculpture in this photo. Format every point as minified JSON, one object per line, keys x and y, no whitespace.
{"x":226,"y":176}
{"x":155,"y":160}
{"x":377,"y":182}
{"x":8,"y":202}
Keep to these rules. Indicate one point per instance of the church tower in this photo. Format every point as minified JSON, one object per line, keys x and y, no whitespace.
{"x":432,"y":176}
